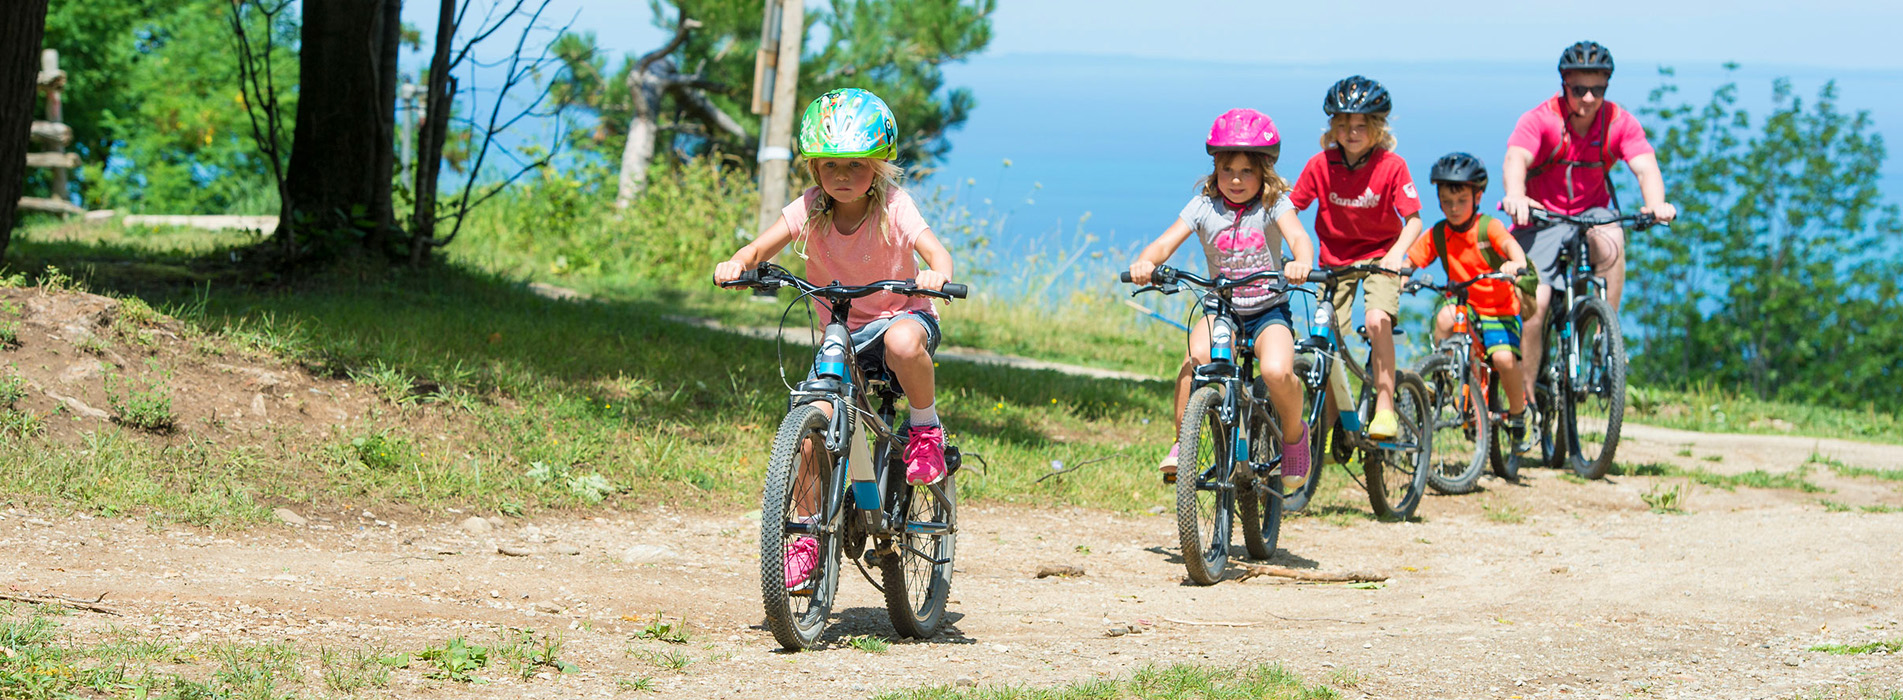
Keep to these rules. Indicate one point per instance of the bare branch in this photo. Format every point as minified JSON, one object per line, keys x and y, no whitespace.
{"x":681,"y":29}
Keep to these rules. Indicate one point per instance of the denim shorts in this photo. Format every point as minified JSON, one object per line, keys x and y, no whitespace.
{"x":1278,"y":315}
{"x":868,"y":341}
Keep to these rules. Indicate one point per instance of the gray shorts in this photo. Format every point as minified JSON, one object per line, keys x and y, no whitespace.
{"x":1542,"y":243}
{"x":868,"y":341}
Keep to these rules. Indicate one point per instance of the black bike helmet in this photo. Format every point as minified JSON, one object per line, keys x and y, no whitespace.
{"x":1356,"y":95}
{"x":1460,"y":169}
{"x":1586,"y":55}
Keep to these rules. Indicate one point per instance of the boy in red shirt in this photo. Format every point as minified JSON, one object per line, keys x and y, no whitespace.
{"x":1470,"y":245}
{"x":1369,"y":210}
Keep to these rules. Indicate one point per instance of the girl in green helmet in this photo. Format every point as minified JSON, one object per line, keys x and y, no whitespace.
{"x":856,"y":226}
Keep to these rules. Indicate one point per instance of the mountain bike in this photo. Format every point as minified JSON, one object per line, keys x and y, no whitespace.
{"x":1580,"y":388}
{"x":1394,"y":471}
{"x":837,"y":477}
{"x":1229,"y":445}
{"x":1468,"y":405}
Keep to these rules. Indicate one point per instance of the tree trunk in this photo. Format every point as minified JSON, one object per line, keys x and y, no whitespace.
{"x":644,"y":91}
{"x":22,"y":25}
{"x":343,"y":148}
{"x":431,"y":134}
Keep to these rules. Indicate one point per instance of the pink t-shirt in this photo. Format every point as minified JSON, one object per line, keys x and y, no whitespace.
{"x":1542,"y":131}
{"x":864,"y":256}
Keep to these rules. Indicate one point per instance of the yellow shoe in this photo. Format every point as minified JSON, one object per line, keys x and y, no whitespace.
{"x":1384,"y":425}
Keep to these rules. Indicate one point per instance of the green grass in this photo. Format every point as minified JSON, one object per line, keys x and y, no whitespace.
{"x":1836,"y":507}
{"x":1173,"y":682}
{"x":625,"y":406}
{"x":1842,"y":469}
{"x":1706,"y":408}
{"x":1502,"y":512}
{"x":1884,"y":647}
{"x":45,"y":662}
{"x":1665,"y":500}
{"x":1757,"y":478}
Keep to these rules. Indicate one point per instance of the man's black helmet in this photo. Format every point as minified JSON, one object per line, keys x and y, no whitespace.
{"x":1356,"y":95}
{"x":1585,"y":55}
{"x":1459,"y":169}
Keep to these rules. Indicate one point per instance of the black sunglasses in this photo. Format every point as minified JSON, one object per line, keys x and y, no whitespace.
{"x":1581,"y":90}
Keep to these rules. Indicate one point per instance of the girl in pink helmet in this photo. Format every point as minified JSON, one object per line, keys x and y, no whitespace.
{"x":1242,"y":216}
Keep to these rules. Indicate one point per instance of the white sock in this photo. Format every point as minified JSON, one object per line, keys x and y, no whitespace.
{"x":923,"y":416}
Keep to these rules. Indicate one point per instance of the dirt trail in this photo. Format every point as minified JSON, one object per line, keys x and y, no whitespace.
{"x":1543,"y":589}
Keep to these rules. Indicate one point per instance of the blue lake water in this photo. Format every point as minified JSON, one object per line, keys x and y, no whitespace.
{"x":1121,"y":139}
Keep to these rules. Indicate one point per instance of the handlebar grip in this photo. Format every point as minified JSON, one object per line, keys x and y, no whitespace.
{"x":956,"y":290}
{"x":1317,"y":276}
{"x":747,"y":278}
{"x":1124,"y":277}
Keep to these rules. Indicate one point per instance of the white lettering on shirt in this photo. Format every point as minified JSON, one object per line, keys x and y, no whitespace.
{"x":1367,"y":200}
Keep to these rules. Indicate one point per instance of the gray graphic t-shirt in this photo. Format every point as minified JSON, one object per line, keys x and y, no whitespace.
{"x":1240,"y":243}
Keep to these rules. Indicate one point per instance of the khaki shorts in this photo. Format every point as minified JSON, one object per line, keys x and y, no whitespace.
{"x":1378,"y":291}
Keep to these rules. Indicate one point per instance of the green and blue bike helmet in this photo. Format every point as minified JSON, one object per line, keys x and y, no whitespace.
{"x":849,"y":123}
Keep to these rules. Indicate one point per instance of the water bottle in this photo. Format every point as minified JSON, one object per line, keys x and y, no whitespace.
{"x":1222,"y":340}
{"x":833,"y":352}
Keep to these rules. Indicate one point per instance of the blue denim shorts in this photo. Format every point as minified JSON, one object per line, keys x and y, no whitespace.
{"x":1278,"y":315}
{"x":868,"y":341}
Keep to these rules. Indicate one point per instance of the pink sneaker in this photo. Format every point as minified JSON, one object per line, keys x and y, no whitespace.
{"x":1169,"y":466}
{"x":1295,"y":462}
{"x":801,"y":557}
{"x":925,"y":455}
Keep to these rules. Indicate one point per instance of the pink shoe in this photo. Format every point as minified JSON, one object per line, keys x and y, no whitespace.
{"x":801,"y":557}
{"x":925,"y":455}
{"x":1295,"y":462}
{"x":1169,"y":466}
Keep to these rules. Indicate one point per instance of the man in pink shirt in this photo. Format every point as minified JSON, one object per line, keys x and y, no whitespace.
{"x":1559,"y":159}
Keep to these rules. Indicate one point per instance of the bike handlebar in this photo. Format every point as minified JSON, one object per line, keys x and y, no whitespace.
{"x":1639,"y":221}
{"x":1416,"y":285}
{"x":771,"y":276}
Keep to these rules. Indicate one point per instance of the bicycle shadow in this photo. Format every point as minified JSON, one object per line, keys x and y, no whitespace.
{"x":868,"y":621}
{"x":1237,"y":557}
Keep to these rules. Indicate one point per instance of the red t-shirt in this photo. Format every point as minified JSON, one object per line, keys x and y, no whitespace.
{"x":1542,"y":131}
{"x":1362,"y":210}
{"x":1464,"y":262}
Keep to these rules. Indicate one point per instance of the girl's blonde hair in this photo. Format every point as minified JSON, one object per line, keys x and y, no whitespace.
{"x":1377,"y":131}
{"x":1273,"y":186}
{"x":885,"y":178}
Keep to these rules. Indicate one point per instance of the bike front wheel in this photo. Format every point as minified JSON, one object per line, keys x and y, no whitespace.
{"x":1397,"y":472}
{"x":800,"y":480}
{"x":1259,"y":500}
{"x":1459,"y":422}
{"x":918,"y":575}
{"x":1598,"y":392}
{"x":1205,"y":490}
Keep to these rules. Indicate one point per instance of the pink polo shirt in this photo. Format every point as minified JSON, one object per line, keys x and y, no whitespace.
{"x":863,"y":256}
{"x":1614,"y":135}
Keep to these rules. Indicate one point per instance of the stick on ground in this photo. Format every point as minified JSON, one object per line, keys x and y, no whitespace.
{"x":1254,"y":570}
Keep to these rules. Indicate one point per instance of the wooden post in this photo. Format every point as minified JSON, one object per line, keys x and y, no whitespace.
{"x":49,"y":65}
{"x":776,"y":153}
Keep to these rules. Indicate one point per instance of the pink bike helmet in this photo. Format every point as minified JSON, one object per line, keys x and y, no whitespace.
{"x":1244,"y":130}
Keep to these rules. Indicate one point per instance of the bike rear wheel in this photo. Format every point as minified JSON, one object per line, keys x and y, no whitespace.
{"x":800,"y":488}
{"x":1598,"y":396}
{"x":1397,"y":474}
{"x":1500,"y":455}
{"x":918,"y":576}
{"x":1205,"y":491}
{"x":1459,"y":422}
{"x":1259,"y":505}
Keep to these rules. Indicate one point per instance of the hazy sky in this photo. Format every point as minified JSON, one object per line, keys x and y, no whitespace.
{"x":1829,"y":33}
